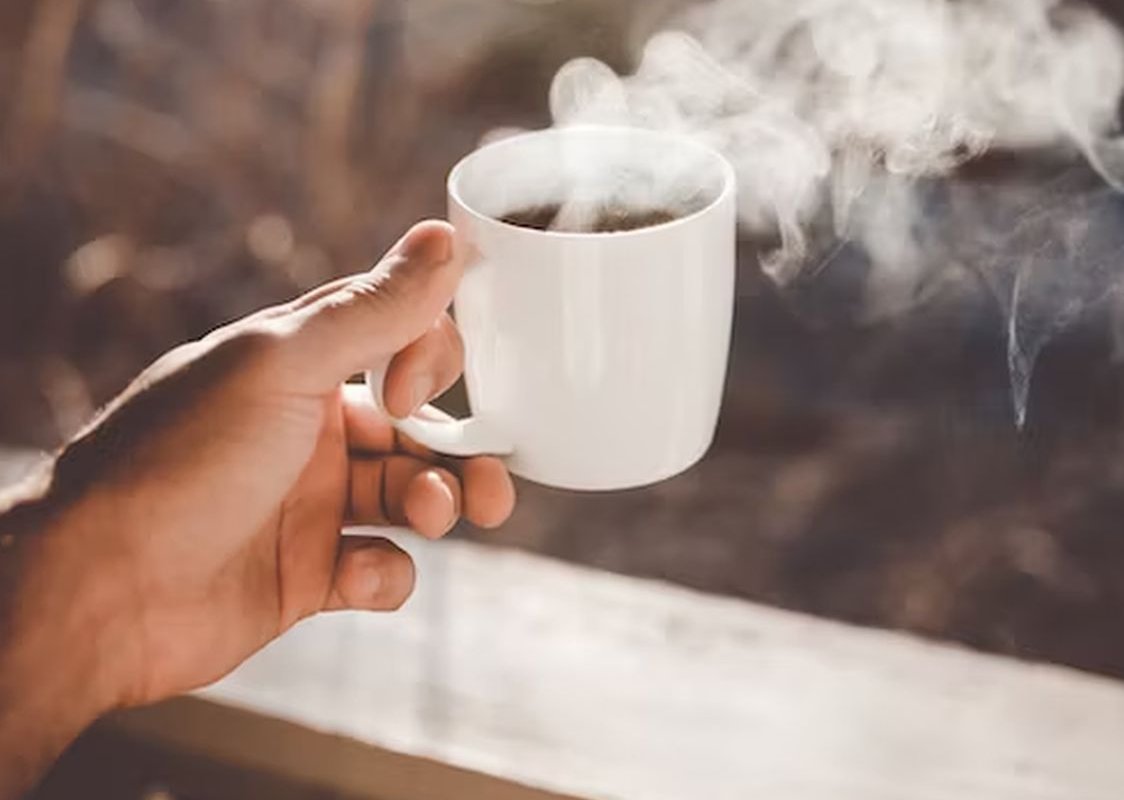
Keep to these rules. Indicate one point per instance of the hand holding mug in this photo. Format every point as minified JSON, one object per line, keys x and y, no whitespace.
{"x":596,"y":351}
{"x":200,"y":515}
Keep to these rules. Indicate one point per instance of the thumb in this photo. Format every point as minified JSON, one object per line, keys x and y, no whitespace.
{"x":363,"y":321}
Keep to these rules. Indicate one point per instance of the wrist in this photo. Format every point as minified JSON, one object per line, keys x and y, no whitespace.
{"x":57,"y":622}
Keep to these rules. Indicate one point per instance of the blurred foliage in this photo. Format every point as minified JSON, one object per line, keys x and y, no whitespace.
{"x":166,"y":166}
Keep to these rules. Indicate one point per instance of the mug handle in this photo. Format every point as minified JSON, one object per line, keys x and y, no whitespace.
{"x":447,"y":436}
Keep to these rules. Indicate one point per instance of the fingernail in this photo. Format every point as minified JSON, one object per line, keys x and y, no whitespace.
{"x":421,"y":389}
{"x":444,"y":489}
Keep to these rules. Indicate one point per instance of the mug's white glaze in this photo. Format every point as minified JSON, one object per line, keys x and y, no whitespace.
{"x":595,"y":361}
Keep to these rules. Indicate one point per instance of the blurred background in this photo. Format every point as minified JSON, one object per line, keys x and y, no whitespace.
{"x":168,"y":166}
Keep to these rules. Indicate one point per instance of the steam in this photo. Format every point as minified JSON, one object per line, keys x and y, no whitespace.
{"x":844,"y":111}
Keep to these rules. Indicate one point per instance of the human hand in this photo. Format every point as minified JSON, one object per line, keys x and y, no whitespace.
{"x":199,"y":517}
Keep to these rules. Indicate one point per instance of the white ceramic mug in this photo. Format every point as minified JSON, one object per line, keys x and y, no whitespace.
{"x":594,"y":361}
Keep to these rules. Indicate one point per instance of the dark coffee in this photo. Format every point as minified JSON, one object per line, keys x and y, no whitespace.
{"x":601,"y":220}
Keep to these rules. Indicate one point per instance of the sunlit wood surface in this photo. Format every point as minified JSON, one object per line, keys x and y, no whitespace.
{"x":601,"y":686}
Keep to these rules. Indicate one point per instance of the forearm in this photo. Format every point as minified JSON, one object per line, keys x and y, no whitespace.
{"x":52,"y":681}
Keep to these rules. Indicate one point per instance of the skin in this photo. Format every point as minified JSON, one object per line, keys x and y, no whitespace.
{"x":200,"y":516}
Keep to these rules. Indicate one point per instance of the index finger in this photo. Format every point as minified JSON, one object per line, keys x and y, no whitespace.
{"x":367,"y":430}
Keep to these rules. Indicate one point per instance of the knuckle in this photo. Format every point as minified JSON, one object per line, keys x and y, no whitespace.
{"x":257,"y":347}
{"x":373,"y":293}
{"x":171,"y":362}
{"x":365,"y":491}
{"x":375,"y":289}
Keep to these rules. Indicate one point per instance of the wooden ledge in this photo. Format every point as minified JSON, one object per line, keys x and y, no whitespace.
{"x":326,"y":765}
{"x":595,"y":685}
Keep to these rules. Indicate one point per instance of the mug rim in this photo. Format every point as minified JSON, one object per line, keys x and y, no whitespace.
{"x":729,"y":181}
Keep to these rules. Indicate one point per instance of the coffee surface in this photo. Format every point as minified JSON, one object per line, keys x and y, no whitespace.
{"x":602,"y":220}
